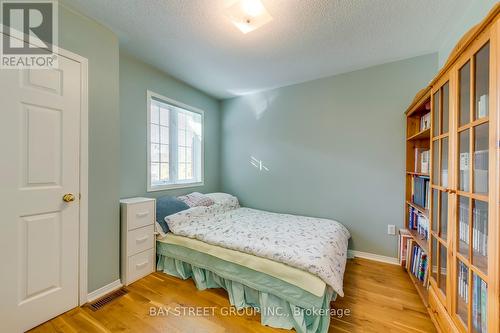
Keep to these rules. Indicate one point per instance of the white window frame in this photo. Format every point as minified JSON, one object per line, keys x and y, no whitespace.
{"x":153,"y":188}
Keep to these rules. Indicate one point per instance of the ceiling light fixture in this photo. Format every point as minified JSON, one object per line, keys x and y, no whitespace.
{"x":248,"y":15}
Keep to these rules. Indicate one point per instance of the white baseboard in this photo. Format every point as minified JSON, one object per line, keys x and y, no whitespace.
{"x":372,"y":256}
{"x":104,"y":290}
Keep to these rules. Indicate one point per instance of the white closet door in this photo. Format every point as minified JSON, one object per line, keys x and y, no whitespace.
{"x":39,"y":231}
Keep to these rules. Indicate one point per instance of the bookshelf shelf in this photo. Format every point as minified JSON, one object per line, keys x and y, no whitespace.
{"x":417,"y":174}
{"x":425,"y":134}
{"x":423,"y":243}
{"x":422,"y":210}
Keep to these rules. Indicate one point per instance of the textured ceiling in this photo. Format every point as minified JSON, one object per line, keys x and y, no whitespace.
{"x":193,"y":41}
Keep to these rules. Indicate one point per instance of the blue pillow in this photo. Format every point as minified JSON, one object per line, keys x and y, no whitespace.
{"x":166,"y":206}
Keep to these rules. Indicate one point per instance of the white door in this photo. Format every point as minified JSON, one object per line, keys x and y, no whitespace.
{"x":39,"y":231}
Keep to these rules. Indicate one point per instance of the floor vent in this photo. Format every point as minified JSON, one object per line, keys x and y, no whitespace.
{"x":99,"y":303}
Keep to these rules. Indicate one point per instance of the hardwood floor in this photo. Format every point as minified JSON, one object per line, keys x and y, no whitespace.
{"x":380,"y":297}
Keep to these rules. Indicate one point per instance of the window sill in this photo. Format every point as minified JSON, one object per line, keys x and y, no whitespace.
{"x":173,"y":186}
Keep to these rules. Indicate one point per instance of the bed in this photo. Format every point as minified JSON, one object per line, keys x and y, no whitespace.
{"x":287,"y":267}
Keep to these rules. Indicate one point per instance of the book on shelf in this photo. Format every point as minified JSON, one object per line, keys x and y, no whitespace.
{"x":404,"y":236}
{"x":418,"y":222}
{"x":421,"y":191}
{"x":480,"y":228}
{"x":481,"y":171}
{"x":464,"y":171}
{"x":424,"y":161}
{"x":421,"y":160}
{"x":463,"y":223}
{"x":482,"y":106}
{"x":463,"y":282}
{"x":419,"y":263}
{"x":409,"y":241}
{"x":425,"y":121}
{"x":479,"y":305}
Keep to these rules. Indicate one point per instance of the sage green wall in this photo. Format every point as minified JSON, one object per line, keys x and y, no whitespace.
{"x":476,"y":11}
{"x":136,"y":78}
{"x":89,"y":39}
{"x":334,"y":148}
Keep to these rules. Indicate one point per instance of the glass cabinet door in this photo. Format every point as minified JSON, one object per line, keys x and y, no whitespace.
{"x":439,"y":185}
{"x":472,"y":158}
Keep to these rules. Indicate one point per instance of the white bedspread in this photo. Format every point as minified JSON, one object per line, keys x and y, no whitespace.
{"x":318,"y":246}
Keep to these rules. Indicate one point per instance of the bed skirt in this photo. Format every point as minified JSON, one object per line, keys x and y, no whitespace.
{"x":275,"y":311}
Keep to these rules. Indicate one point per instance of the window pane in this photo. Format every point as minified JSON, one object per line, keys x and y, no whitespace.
{"x":463,"y":181}
{"x":164,"y":172}
{"x":444,"y":162}
{"x":155,"y":133}
{"x":155,"y":173}
{"x":482,"y":82}
{"x":181,"y":155}
{"x":463,"y":226}
{"x":465,"y":94}
{"x":155,"y":152}
{"x":480,"y":235}
{"x":181,"y":121}
{"x":435,"y":115}
{"x":181,"y":138}
{"x":462,"y":291}
{"x":155,"y":113}
{"x":164,"y":116}
{"x":189,"y":170}
{"x":434,"y":266}
{"x":189,"y":155}
{"x":481,"y":158}
{"x":479,"y":305}
{"x":164,"y":153}
{"x":182,"y":171}
{"x":444,"y":216}
{"x":435,"y":201}
{"x":435,"y":164}
{"x":164,"y":134}
{"x":446,"y":105}
{"x":443,"y":270}
{"x":189,"y":138}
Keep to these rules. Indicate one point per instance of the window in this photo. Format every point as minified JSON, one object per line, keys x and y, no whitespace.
{"x":175,"y":144}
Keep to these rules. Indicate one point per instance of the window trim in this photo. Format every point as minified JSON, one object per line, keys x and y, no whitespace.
{"x":151,"y":188}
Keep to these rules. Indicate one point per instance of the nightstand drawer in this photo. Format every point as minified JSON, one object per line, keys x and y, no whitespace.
{"x":140,"y":265}
{"x":140,"y":239}
{"x":140,"y":215}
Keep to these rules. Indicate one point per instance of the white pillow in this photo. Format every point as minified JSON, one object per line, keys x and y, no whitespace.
{"x":224,"y":199}
{"x":196,"y":199}
{"x":219,"y":197}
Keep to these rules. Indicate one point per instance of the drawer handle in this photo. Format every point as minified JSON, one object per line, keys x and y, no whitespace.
{"x":142,"y":214}
{"x":142,"y":239}
{"x":141,"y":265}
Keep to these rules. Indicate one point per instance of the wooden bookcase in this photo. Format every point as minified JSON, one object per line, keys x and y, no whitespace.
{"x":417,"y":138}
{"x":463,"y":294}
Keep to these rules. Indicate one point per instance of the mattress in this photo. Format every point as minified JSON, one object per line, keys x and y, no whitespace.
{"x":292,"y":275}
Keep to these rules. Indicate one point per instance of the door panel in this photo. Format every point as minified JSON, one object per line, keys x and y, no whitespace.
{"x":39,"y":270}
{"x":41,"y":147}
{"x":40,"y":131}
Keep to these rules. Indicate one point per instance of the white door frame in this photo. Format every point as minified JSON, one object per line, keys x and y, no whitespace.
{"x":84,"y":175}
{"x":84,"y":170}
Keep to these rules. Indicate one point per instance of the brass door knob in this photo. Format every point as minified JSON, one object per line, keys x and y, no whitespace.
{"x":68,"y":197}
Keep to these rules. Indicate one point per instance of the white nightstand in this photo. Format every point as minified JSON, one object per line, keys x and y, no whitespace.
{"x":138,"y":250}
